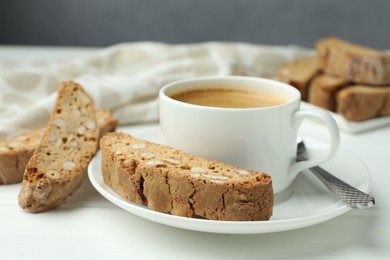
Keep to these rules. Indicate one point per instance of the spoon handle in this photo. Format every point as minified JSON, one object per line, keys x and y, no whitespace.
{"x":351,"y":196}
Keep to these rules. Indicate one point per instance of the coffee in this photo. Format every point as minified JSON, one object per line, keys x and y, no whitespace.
{"x":228,"y":98}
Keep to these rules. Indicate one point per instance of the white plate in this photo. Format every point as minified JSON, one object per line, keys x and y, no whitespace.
{"x":306,"y":203}
{"x":354,"y":127}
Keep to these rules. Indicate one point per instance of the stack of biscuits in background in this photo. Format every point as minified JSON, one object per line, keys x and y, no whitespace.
{"x":343,"y":77}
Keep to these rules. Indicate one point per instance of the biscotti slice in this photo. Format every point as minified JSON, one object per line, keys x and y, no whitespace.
{"x":299,"y":73}
{"x":323,"y":90}
{"x":353,"y":62}
{"x":57,"y":167}
{"x":359,"y":102}
{"x":172,"y":181}
{"x":16,"y":151}
{"x":106,"y":122}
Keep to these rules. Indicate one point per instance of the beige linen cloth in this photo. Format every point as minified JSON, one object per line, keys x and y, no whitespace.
{"x":126,"y":78}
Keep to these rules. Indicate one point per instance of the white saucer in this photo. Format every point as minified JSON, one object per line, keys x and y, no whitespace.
{"x":306,"y":203}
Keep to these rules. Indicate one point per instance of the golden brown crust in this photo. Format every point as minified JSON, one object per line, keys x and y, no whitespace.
{"x":353,"y":62}
{"x":299,"y":73}
{"x":323,"y":90}
{"x":57,"y":167}
{"x":359,"y":103}
{"x":172,"y":181}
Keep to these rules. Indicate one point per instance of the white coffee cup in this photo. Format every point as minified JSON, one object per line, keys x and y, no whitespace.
{"x":263,"y":139}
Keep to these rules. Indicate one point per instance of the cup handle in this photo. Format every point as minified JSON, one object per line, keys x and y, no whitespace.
{"x":334,"y":134}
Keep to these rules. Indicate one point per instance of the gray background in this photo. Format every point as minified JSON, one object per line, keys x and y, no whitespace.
{"x":278,"y":22}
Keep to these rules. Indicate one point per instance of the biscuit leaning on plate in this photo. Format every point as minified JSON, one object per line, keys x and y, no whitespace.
{"x":172,"y":181}
{"x":57,"y":167}
{"x":15,"y":151}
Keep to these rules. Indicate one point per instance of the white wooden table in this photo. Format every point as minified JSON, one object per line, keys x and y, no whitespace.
{"x":90,"y":227}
